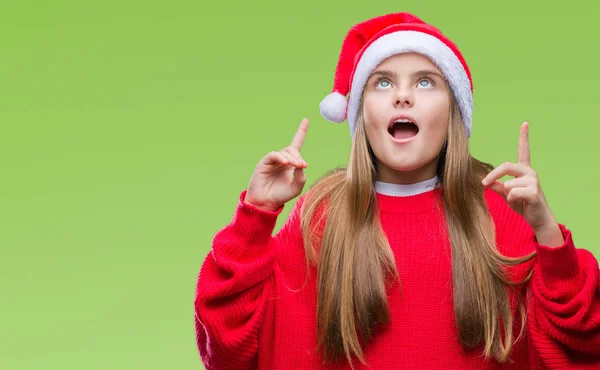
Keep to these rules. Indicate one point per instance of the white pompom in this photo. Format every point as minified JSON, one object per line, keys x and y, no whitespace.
{"x":333,"y":107}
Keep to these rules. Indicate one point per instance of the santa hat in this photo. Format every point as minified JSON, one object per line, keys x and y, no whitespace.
{"x":369,"y":43}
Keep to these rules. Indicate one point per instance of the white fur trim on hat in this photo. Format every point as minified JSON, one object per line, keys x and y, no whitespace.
{"x":333,"y":107}
{"x":422,"y":43}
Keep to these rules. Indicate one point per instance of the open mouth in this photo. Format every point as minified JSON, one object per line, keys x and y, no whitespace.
{"x":403,"y":129}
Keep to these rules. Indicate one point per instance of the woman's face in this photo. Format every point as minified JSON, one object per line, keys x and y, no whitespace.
{"x":406,"y":87}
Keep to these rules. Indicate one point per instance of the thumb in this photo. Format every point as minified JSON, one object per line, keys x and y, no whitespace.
{"x":299,"y":181}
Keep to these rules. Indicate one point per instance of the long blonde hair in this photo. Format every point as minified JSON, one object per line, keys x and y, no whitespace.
{"x":354,"y":259}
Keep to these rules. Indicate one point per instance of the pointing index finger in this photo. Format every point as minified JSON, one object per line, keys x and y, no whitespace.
{"x":524,"y":152}
{"x":298,"y":139}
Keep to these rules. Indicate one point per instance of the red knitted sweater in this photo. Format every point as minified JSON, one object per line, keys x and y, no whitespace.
{"x":254,"y":308}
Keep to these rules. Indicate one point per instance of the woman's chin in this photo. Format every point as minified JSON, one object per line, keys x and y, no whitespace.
{"x":406,"y":165}
{"x":402,"y":166}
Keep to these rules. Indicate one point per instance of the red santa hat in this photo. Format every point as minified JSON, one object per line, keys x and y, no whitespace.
{"x":369,"y":43}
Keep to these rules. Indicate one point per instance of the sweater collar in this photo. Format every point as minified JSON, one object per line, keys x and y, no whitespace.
{"x":403,"y":190}
{"x":412,"y":198}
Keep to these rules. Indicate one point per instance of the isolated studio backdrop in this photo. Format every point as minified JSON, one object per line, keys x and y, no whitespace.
{"x":130,"y":127}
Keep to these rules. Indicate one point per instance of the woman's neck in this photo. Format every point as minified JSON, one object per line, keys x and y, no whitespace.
{"x":391,"y":176}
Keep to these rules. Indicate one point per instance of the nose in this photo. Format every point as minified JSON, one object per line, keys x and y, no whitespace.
{"x":403,"y":98}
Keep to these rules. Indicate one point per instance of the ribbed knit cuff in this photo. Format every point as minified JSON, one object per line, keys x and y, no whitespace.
{"x":253,"y":226}
{"x":560,"y":265}
{"x":255,"y":210}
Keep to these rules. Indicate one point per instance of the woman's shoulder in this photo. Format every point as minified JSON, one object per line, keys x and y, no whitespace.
{"x":494,"y":201}
{"x":501,"y":211}
{"x":297,"y":211}
{"x":498,"y":206}
{"x":512,"y":230}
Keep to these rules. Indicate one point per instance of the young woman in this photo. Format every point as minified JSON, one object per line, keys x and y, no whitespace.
{"x":414,"y":256}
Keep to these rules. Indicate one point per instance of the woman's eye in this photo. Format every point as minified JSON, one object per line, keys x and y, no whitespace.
{"x":426,"y":83}
{"x":383,"y":83}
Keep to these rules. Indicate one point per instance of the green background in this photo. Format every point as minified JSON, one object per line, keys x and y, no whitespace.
{"x":129,"y":129}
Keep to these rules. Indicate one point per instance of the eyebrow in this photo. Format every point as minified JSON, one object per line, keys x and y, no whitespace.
{"x":389,"y":74}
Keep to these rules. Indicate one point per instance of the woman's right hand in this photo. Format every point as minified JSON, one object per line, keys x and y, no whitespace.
{"x":279,"y":176}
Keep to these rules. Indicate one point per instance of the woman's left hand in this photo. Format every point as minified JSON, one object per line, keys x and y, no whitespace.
{"x":524,"y":193}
